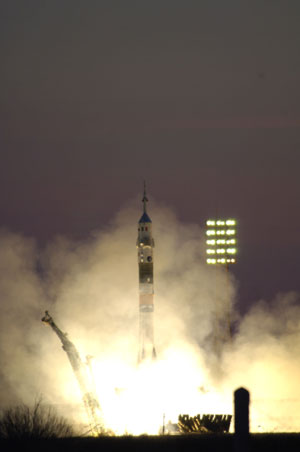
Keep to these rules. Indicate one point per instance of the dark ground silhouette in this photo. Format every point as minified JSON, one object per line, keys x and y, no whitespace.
{"x":274,"y":442}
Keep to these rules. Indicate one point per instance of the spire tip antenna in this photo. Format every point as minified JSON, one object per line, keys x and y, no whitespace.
{"x":145,"y":199}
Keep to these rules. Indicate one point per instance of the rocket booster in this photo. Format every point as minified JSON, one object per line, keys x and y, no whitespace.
{"x":145,"y":245}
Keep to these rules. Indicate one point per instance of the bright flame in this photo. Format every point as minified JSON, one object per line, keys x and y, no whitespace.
{"x":136,"y":400}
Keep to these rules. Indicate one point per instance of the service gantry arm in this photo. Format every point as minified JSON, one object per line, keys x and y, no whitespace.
{"x":80,"y":370}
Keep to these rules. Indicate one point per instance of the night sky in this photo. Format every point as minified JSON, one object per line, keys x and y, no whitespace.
{"x":200,"y":98}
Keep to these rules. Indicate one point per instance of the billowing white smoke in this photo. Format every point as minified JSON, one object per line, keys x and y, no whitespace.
{"x":21,"y":300}
{"x":264,"y":358}
{"x":91,"y":290}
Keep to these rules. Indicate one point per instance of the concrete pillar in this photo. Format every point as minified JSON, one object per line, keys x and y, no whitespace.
{"x":241,"y":420}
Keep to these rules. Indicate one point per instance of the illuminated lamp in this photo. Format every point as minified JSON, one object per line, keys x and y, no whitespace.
{"x":224,"y":248}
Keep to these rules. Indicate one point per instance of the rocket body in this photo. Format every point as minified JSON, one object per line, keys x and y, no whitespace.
{"x":145,"y":245}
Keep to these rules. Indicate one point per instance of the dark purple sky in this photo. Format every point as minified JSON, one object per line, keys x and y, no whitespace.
{"x":200,"y":98}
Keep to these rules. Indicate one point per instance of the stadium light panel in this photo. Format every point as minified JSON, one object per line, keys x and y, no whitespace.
{"x":224,"y":244}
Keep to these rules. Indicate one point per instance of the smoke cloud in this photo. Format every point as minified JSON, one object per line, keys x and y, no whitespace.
{"x":90,"y":288}
{"x":264,"y":357}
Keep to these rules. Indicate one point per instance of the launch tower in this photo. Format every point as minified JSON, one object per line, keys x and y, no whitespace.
{"x":80,"y":370}
{"x":145,"y":245}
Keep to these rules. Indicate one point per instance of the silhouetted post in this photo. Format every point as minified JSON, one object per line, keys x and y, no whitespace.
{"x":241,"y":420}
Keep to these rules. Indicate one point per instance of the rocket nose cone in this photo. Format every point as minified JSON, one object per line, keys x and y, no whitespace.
{"x":145,"y":218}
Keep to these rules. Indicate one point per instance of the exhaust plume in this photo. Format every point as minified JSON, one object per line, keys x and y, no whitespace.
{"x":91,"y":289}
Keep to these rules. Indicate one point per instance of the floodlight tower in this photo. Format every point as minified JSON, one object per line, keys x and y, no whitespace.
{"x":221,"y":251}
{"x":221,"y":242}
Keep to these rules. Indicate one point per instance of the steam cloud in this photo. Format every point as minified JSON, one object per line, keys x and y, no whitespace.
{"x":91,"y":289}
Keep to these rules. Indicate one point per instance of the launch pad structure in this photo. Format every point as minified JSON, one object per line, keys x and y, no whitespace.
{"x":81,"y":372}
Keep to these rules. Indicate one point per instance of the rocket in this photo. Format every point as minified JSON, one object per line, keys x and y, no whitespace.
{"x":145,"y":245}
